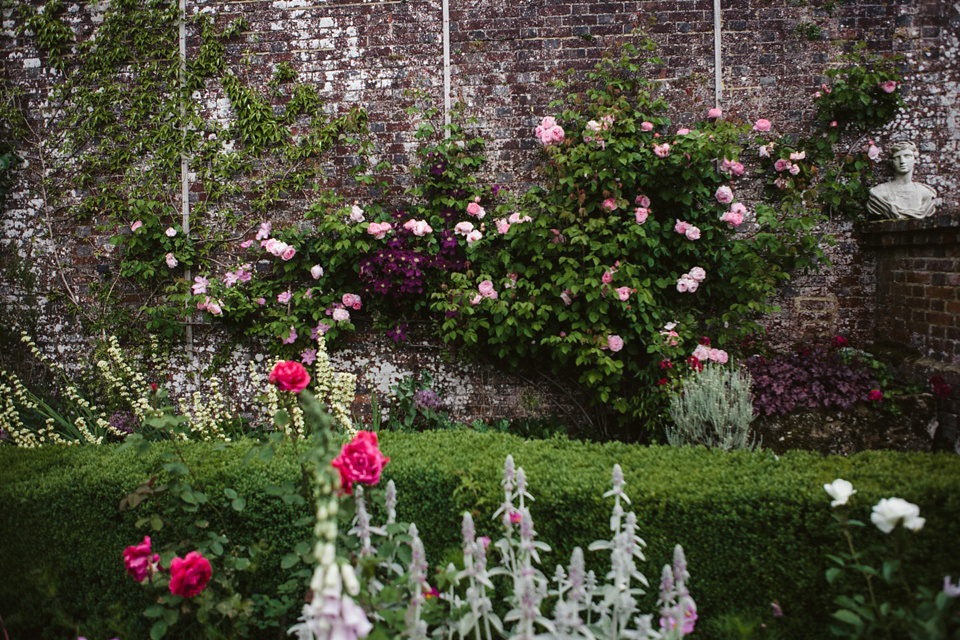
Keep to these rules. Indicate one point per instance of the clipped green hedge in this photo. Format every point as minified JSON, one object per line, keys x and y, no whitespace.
{"x":754,"y":525}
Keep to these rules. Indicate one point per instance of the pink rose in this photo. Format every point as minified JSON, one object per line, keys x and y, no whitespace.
{"x":475,"y":209}
{"x":463,"y":228}
{"x":724,"y":195}
{"x":594,"y":126}
{"x":623,"y":293}
{"x":356,"y":214}
{"x":873,"y":152}
{"x":200,"y":285}
{"x":171,"y":260}
{"x":486,"y":288}
{"x":643,"y":201}
{"x":351,"y":300}
{"x":171,"y":232}
{"x":421,"y":228}
{"x":889,"y":86}
{"x":340,"y":315}
{"x":761,"y":125}
{"x":732,"y":218}
{"x":473,"y":236}
{"x":607,"y":277}
{"x":610,"y":204}
{"x":662,"y":150}
{"x":565,"y":296}
{"x":713,"y":114}
{"x":246,"y":244}
{"x":682,"y":283}
{"x":781,"y":164}
{"x":136,"y":225}
{"x":798,"y":155}
{"x":764,"y":151}
{"x":646,"y":126}
{"x":683,"y":131}
{"x":701,"y":353}
{"x":698,"y":274}
{"x":288,"y":254}
{"x":692,"y":284}
{"x":794,"y":169}
{"x":190,"y":575}
{"x":738,"y":207}
{"x":692,"y":232}
{"x":284,"y":297}
{"x":475,"y":300}
{"x":139,"y":561}
{"x":680,"y":227}
{"x":288,"y":375}
{"x":548,"y":122}
{"x":615,"y":343}
{"x":875,"y":396}
{"x":316,"y":272}
{"x":833,"y":123}
{"x":502,"y":226}
{"x":360,"y":461}
{"x":641,"y":214}
{"x":719,"y":356}
{"x":264,"y":232}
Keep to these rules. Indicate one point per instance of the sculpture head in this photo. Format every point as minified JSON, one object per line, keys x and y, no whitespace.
{"x":903,"y":157}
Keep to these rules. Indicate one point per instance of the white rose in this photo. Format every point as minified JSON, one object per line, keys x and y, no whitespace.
{"x":840,"y":490}
{"x":316,"y":271}
{"x":889,"y":511}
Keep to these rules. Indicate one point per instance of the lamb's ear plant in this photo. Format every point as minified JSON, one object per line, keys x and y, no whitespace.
{"x":880,"y":598}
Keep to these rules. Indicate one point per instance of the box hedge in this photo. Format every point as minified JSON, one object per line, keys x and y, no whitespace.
{"x":755,"y":526}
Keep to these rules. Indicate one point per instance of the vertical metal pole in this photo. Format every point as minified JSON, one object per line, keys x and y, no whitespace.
{"x":446,"y":67}
{"x":717,"y":55}
{"x":185,"y":163}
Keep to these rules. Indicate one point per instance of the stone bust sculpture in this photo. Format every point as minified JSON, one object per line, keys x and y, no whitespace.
{"x":902,"y":197}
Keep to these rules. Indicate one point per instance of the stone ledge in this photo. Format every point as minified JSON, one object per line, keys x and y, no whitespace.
{"x":943,"y":228}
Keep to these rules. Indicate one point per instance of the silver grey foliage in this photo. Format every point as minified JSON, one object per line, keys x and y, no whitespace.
{"x":714,"y":409}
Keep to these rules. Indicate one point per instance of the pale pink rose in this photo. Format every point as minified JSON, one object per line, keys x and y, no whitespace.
{"x":284,"y":297}
{"x":761,"y":125}
{"x":662,"y":150}
{"x":475,"y":209}
{"x":610,"y":204}
{"x":889,"y":86}
{"x":475,"y":300}
{"x":641,"y":214}
{"x":873,"y":152}
{"x":502,"y":226}
{"x":713,"y":114}
{"x":833,"y":123}
{"x":643,"y":201}
{"x":798,"y":155}
{"x":738,"y":207}
{"x":261,"y":301}
{"x":171,"y":260}
{"x":316,"y":272}
{"x":379,"y":229}
{"x":737,"y":169}
{"x":556,"y":134}
{"x":692,"y":285}
{"x":732,"y":218}
{"x":698,"y":274}
{"x":356,"y":214}
{"x":692,"y":232}
{"x":724,"y":195}
{"x":565,"y":296}
{"x":683,"y":131}
{"x":340,"y":315}
{"x":288,"y":254}
{"x":646,"y":126}
{"x":517,"y":218}
{"x":594,"y":126}
{"x":463,"y":228}
{"x":136,"y":225}
{"x":264,"y":232}
{"x":246,"y":244}
{"x":409,"y":224}
{"x":682,"y":283}
{"x":422,"y":228}
{"x":671,"y":337}
{"x":473,"y":236}
{"x":607,"y":121}
{"x":607,"y":277}
{"x":719,"y":355}
{"x":794,"y":169}
{"x":701,"y":353}
{"x":614,"y":343}
{"x":623,"y":293}
{"x":214,"y":307}
{"x":548,"y":122}
{"x":486,"y":288}
{"x":171,"y":232}
{"x":764,"y":151}
{"x":782,"y":164}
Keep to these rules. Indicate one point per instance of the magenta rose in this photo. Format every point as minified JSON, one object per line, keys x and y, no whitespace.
{"x":139,"y":561}
{"x":360,"y":461}
{"x":190,"y":575}
{"x":289,"y":376}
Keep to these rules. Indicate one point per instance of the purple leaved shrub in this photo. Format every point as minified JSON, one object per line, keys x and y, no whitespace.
{"x":808,"y":378}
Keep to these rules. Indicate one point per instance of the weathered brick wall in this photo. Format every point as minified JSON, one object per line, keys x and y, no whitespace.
{"x":503,"y":55}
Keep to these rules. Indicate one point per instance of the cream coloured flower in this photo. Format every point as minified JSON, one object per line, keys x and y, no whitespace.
{"x":840,"y":490}
{"x":889,"y":511}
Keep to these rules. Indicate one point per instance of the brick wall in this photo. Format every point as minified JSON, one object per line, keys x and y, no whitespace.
{"x":503,"y":55}
{"x":918,"y":300}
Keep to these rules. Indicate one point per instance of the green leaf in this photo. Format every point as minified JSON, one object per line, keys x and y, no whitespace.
{"x":289,"y":560}
{"x":238,"y":504}
{"x":845,"y":615}
{"x":158,"y":629}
